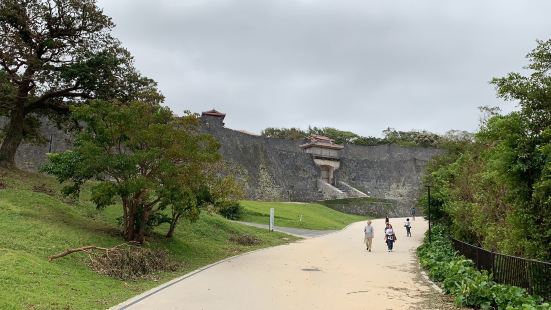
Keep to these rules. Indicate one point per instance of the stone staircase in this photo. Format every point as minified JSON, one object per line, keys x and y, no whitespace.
{"x":329,"y":191}
{"x":341,"y":191}
{"x":350,"y":191}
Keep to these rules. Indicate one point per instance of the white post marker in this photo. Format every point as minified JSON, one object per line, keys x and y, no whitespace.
{"x":271,"y":219}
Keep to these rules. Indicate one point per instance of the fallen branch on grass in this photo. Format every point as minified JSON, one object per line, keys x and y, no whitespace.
{"x":125,"y":261}
{"x":85,"y":249}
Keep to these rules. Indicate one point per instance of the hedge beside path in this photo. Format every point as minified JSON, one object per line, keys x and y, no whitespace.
{"x":471,"y":287}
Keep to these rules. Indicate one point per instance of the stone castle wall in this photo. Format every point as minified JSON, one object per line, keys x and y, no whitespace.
{"x":275,"y":169}
{"x":386,"y":171}
{"x":30,"y":157}
{"x":278,"y":169}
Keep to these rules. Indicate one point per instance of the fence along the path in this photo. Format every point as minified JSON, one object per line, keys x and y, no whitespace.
{"x":533,"y":275}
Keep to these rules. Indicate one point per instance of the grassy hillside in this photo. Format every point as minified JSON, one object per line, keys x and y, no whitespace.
{"x":314,"y":216}
{"x":36,"y":221}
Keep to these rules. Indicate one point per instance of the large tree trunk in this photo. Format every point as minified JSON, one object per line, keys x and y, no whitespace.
{"x":135,"y":224}
{"x":13,"y":138}
{"x":141,"y":226}
{"x":129,"y":224}
{"x":173,"y":223}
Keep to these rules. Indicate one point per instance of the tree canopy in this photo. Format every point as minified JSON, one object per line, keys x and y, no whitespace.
{"x":391,"y":136}
{"x":144,"y":157}
{"x":56,"y":53}
{"x":500,"y":183}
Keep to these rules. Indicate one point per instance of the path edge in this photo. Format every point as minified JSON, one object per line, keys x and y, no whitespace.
{"x":136,"y":299}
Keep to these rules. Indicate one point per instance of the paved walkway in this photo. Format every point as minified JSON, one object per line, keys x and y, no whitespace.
{"x":304,"y":233}
{"x":329,"y":272}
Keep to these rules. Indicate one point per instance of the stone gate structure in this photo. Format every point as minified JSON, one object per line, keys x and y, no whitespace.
{"x":318,"y":169}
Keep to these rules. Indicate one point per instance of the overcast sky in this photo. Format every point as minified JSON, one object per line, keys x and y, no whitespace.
{"x":355,"y":65}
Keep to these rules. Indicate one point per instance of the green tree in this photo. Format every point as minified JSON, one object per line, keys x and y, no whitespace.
{"x":206,"y":183}
{"x":284,"y":133}
{"x":142,"y":156}
{"x":500,"y":182}
{"x":411,"y":138}
{"x":55,"y":53}
{"x":523,"y":141}
{"x":339,"y":136}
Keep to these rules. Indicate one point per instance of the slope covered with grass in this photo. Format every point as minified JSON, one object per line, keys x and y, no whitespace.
{"x":299,"y":215}
{"x":36,"y":221}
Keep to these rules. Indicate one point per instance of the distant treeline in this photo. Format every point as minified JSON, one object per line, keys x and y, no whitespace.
{"x":390,"y":136}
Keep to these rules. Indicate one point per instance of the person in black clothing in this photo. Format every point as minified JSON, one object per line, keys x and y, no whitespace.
{"x":407,"y":225}
{"x":390,"y":237}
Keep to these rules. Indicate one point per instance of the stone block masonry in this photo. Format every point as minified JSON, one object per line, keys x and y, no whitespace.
{"x":279,"y":169}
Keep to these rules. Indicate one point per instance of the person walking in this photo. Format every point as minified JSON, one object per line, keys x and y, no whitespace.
{"x":368,"y":235}
{"x":407,"y":225}
{"x":413,"y":211}
{"x":390,"y":237}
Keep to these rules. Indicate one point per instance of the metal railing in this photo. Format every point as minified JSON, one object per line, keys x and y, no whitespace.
{"x":533,"y":275}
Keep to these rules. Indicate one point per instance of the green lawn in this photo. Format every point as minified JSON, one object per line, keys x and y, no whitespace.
{"x":288,"y":214}
{"x":35,"y":222}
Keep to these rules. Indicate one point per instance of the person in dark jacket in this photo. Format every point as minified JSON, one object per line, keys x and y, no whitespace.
{"x":390,"y":237}
{"x":407,"y":225}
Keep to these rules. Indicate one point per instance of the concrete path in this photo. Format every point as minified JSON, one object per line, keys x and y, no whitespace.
{"x":329,"y":272}
{"x":299,"y":232}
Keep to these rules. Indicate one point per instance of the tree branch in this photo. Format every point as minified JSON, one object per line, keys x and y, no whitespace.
{"x":85,"y":249}
{"x":152,"y":203}
{"x":73,"y":250}
{"x":42,"y":102}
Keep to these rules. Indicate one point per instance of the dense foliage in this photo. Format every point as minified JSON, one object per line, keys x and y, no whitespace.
{"x":230,"y":209}
{"x":53,"y":54}
{"x":471,"y":288}
{"x":160,"y":167}
{"x":496,"y":191}
{"x":391,"y":136}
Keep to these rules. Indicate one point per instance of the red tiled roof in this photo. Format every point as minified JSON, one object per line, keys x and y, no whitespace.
{"x":320,"y":138}
{"x":321,"y":141}
{"x":213,"y":112}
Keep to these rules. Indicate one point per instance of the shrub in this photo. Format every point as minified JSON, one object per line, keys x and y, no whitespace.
{"x":471,"y":287}
{"x":230,"y":209}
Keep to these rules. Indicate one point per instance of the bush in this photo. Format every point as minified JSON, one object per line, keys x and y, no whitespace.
{"x":471,"y":287}
{"x":230,"y":209}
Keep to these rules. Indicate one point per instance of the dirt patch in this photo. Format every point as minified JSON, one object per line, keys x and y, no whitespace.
{"x":43,"y":188}
{"x":245,"y":239}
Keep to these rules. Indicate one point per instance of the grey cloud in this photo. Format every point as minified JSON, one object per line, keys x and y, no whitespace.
{"x":354,"y":65}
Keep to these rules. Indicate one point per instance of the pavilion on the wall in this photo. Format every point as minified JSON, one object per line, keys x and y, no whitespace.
{"x":213,"y":117}
{"x":326,"y":155}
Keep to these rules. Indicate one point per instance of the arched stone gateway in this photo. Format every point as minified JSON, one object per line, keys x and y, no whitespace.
{"x":327,"y":173}
{"x":326,"y":155}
